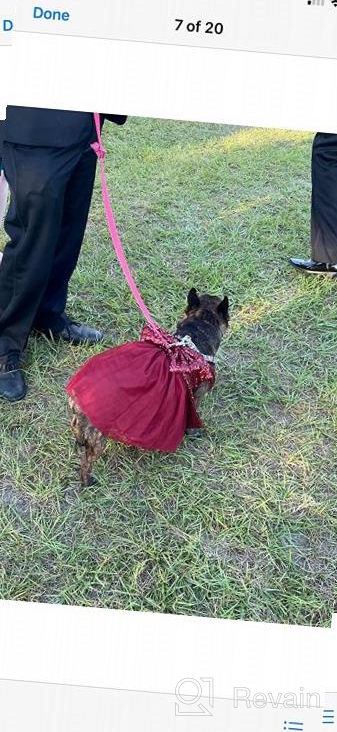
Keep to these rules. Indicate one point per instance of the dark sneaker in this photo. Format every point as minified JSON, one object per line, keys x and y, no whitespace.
{"x":312,"y":267}
{"x":12,"y":381}
{"x":74,"y":333}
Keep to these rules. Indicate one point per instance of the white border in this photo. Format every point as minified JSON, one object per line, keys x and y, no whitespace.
{"x":152,"y":652}
{"x":175,"y":82}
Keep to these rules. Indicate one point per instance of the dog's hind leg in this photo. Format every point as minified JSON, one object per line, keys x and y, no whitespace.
{"x":93,"y":449}
{"x":87,"y":462}
{"x":77,"y":425}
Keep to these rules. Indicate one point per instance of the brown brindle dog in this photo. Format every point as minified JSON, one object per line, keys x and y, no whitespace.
{"x":204,"y":323}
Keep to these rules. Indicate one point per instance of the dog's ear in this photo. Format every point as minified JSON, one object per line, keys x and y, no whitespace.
{"x":193,"y":300}
{"x":223,"y":308}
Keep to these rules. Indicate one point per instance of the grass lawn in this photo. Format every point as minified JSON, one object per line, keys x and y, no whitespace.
{"x":242,"y":523}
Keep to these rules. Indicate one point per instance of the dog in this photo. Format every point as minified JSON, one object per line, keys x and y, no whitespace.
{"x":202,"y":327}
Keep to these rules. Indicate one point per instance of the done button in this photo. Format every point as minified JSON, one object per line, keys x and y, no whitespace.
{"x":49,"y":14}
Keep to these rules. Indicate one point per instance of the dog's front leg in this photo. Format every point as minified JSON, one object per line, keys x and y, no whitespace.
{"x":198,"y":395}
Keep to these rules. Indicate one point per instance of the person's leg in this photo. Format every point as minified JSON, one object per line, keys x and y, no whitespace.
{"x":32,"y":223}
{"x":323,"y":208}
{"x":37,"y":179}
{"x":324,"y":199}
{"x":77,"y":200}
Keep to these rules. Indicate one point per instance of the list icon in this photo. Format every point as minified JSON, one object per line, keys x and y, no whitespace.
{"x":328,"y":716}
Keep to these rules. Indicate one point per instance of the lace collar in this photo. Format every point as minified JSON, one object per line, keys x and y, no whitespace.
{"x":187,"y":341}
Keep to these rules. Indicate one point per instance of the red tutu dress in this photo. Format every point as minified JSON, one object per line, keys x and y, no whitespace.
{"x":141,"y":393}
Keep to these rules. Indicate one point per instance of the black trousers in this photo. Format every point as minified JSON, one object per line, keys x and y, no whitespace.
{"x":51,"y":191}
{"x":324,"y":199}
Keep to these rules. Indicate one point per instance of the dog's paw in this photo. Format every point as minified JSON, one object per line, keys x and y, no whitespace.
{"x":194,"y":433}
{"x":88,"y":483}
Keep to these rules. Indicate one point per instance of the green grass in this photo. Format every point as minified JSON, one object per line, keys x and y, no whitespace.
{"x":241,"y":524}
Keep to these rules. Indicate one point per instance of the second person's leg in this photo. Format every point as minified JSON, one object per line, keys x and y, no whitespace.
{"x":323,"y":209}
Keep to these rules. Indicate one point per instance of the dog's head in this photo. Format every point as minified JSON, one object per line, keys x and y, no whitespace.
{"x":209,"y":308}
{"x":205,"y":320}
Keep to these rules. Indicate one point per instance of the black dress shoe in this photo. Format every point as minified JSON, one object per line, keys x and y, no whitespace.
{"x":74,"y":333}
{"x":312,"y":267}
{"x":12,"y":381}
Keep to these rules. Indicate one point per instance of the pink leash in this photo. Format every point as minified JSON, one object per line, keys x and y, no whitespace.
{"x":184,"y":360}
{"x":100,"y":152}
